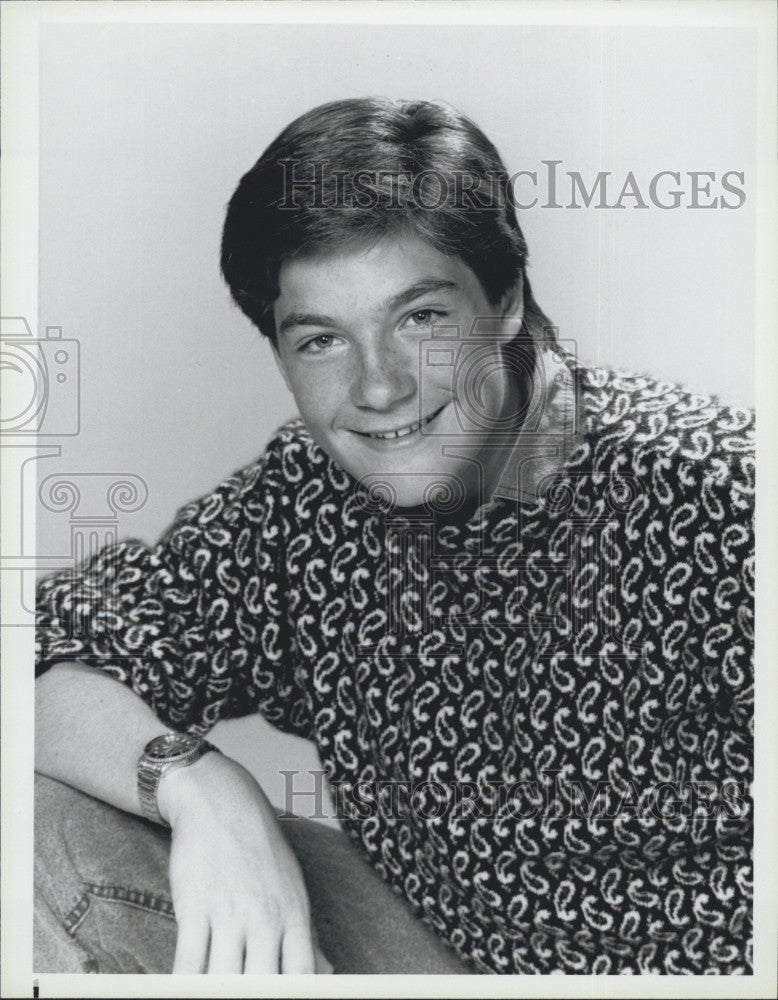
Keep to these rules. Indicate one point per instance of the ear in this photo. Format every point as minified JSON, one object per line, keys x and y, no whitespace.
{"x":280,"y":363}
{"x":512,"y":310}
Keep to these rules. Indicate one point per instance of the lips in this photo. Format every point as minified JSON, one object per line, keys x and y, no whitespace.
{"x":401,"y":432}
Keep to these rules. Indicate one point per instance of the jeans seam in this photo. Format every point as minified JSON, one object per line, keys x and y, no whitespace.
{"x":76,"y":916}
{"x":141,"y":899}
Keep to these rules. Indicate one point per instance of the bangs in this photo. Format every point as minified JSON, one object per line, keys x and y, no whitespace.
{"x":348,"y":174}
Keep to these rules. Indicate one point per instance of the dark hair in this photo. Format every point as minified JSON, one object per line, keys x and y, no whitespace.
{"x":352,"y":171}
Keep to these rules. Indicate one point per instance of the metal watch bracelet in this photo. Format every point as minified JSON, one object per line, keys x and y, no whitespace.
{"x":166,"y":753}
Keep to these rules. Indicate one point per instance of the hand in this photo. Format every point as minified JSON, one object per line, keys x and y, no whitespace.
{"x":238,"y":891}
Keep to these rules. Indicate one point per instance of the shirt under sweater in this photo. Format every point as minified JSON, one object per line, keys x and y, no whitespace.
{"x":536,"y":717}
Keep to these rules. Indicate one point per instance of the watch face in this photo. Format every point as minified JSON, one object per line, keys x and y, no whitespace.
{"x":171,"y":746}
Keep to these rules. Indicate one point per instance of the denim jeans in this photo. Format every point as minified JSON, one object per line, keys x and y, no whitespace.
{"x":102,"y":897}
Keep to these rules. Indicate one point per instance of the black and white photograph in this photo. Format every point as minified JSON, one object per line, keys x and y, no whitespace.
{"x":386,"y":591}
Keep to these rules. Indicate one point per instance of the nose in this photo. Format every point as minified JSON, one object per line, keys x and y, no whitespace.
{"x":385,"y":377}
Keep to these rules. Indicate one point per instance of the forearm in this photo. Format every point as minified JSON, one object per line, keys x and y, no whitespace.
{"x":90,"y":731}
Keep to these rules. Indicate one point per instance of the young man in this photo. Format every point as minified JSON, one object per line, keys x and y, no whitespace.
{"x":508,"y":596}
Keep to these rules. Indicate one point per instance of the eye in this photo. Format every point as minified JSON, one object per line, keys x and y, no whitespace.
{"x":423,"y":317}
{"x":316,"y":345}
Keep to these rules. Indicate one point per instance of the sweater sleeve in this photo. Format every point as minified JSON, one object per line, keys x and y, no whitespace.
{"x":707,"y":645}
{"x":194,"y":624}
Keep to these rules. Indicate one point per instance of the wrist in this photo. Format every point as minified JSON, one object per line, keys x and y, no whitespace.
{"x":194,"y":787}
{"x":163,"y":755}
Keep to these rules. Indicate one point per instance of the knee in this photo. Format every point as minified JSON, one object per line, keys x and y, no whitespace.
{"x":56,"y":811}
{"x":53,"y":803}
{"x":56,"y":876}
{"x":94,"y":866}
{"x":65,"y":821}
{"x":80,"y":839}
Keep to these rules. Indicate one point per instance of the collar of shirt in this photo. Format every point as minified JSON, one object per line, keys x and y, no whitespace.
{"x":551,"y":428}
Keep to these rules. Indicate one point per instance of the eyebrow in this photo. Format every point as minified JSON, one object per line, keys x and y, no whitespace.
{"x":423,"y":287}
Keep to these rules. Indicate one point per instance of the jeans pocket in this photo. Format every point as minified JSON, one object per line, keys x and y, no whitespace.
{"x":125,"y":929}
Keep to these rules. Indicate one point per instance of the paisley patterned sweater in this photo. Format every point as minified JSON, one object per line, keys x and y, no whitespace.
{"x":536,"y":717}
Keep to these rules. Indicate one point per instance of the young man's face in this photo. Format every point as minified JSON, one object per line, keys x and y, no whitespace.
{"x":351,"y":332}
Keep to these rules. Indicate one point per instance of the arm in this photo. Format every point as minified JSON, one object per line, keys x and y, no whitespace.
{"x":90,"y":731}
{"x":238,"y":892}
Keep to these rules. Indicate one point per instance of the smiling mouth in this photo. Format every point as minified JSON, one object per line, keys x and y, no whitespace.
{"x":401,"y":431}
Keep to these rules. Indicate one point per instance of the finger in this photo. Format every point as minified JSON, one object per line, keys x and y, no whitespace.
{"x":191,"y":945}
{"x":263,"y":953}
{"x":227,"y":949}
{"x":297,"y":951}
{"x":323,"y":965}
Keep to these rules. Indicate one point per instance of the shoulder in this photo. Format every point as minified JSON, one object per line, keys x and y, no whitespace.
{"x":291,"y":464}
{"x":637,"y":421}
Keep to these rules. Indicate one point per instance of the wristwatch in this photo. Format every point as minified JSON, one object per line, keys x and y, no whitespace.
{"x":160,"y":756}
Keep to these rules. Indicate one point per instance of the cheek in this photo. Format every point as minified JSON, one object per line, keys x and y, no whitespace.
{"x":316,"y":394}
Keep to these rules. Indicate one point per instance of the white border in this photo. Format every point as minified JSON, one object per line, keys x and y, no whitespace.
{"x":18,"y":294}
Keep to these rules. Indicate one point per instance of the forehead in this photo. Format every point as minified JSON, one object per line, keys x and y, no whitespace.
{"x":368,"y":278}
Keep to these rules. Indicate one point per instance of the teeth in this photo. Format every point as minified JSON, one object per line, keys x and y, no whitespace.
{"x":404,"y":431}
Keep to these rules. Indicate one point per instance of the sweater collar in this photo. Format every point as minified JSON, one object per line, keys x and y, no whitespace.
{"x":551,"y":429}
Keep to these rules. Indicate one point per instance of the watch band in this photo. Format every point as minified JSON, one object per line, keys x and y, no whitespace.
{"x":160,"y":756}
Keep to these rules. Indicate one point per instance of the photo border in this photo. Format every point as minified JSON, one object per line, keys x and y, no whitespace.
{"x":19,"y":295}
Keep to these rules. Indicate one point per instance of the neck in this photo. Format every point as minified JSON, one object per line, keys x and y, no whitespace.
{"x":518,"y":392}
